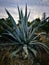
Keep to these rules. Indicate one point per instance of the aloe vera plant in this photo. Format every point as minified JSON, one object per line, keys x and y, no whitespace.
{"x":23,"y":34}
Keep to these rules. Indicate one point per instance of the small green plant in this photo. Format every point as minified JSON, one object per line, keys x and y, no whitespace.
{"x":23,"y":34}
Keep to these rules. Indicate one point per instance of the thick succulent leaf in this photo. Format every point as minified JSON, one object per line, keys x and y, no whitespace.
{"x":45,"y":46}
{"x":42,"y":22}
{"x":25,"y":29}
{"x":30,"y":27}
{"x":11,"y":18}
{"x":42,"y":44}
{"x":19,"y":12}
{"x":42,"y":33}
{"x":36,"y":28}
{"x":13,"y":22}
{"x":16,"y":51}
{"x":22,"y":29}
{"x":9,"y":36}
{"x":25,"y":23}
{"x":33,"y":51}
{"x":21,"y":32}
{"x":7,"y":28}
{"x":32,"y":23}
{"x":24,"y":32}
{"x":28,"y":15}
{"x":21,"y":24}
{"x":9,"y":44}
{"x":25,"y":18}
{"x":22,"y":14}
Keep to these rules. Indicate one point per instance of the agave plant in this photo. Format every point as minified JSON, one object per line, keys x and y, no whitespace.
{"x":23,"y":35}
